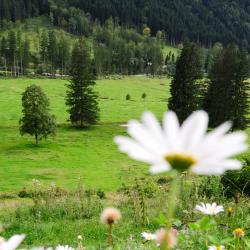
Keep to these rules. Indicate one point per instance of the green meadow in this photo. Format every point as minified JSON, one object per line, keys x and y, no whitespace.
{"x":89,"y":155}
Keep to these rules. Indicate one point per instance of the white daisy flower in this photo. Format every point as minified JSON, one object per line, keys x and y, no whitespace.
{"x":59,"y":247}
{"x":216,"y":248}
{"x":209,"y":209}
{"x":12,"y":243}
{"x":185,"y":147}
{"x":148,"y":236}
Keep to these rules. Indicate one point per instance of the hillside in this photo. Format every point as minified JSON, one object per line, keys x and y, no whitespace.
{"x":201,"y":20}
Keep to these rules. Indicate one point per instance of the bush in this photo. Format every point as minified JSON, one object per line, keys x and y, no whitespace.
{"x":128,"y":97}
{"x":237,"y":183}
{"x":143,"y":96}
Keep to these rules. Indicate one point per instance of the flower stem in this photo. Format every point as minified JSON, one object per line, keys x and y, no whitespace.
{"x":172,"y":200}
{"x":110,"y":235}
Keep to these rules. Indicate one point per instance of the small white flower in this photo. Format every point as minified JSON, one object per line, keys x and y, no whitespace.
{"x":186,"y":147}
{"x":59,"y":247}
{"x":216,"y":248}
{"x":12,"y":243}
{"x":79,"y":237}
{"x":209,"y":209}
{"x":148,"y":236}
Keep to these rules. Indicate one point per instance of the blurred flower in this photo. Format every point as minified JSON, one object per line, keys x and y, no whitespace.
{"x":185,"y":147}
{"x":148,"y":236}
{"x":238,"y":232}
{"x":209,"y":209}
{"x":12,"y":243}
{"x":110,"y":216}
{"x":59,"y":247}
{"x":36,"y":183}
{"x":79,"y":237}
{"x":166,"y":239}
{"x":216,"y":248}
{"x":230,"y":211}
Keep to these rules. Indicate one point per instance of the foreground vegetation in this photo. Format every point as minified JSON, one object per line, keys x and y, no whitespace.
{"x":80,"y":172}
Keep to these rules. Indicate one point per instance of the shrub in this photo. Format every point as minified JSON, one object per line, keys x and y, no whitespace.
{"x":143,"y":96}
{"x":237,"y":182}
{"x":128,"y":97}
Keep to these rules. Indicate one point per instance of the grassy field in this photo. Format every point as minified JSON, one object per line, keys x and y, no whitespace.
{"x":87,"y":154}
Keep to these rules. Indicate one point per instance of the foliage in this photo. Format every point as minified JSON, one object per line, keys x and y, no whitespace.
{"x":36,"y":119}
{"x":128,"y":97}
{"x":81,"y":99}
{"x":227,"y":98}
{"x":236,"y":183}
{"x":185,"y":89}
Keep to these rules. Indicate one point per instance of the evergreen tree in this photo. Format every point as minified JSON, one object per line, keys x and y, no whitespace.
{"x":44,"y":43}
{"x":185,"y":89}
{"x":36,"y":119}
{"x":228,"y":92}
{"x":12,"y":51}
{"x":26,"y":54}
{"x":81,"y":99}
{"x":52,"y":50}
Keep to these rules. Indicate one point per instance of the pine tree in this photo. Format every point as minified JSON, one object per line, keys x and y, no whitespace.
{"x":185,"y":89}
{"x":52,"y":50}
{"x":228,"y":92}
{"x":26,"y":54}
{"x":36,"y":119}
{"x":44,"y":43}
{"x":81,"y":99}
{"x":12,"y":50}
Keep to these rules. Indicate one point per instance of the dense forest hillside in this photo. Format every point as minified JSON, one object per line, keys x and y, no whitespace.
{"x":205,"y":21}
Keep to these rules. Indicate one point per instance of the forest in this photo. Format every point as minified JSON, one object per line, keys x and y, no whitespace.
{"x":201,"y":21}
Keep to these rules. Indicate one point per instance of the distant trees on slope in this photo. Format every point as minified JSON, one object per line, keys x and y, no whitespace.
{"x":116,"y":50}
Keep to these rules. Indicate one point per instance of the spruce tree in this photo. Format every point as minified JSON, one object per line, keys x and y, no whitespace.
{"x":81,"y":99}
{"x":36,"y":119}
{"x":185,"y":88}
{"x":228,"y":91}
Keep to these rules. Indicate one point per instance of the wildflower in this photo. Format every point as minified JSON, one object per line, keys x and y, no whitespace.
{"x":110,"y":216}
{"x":185,"y":147}
{"x":210,"y":209}
{"x":59,"y":247}
{"x":12,"y":243}
{"x":216,"y":248}
{"x":148,"y":236}
{"x":79,"y":237}
{"x":167,"y":240}
{"x":230,"y":212}
{"x":238,"y":232}
{"x":36,"y":183}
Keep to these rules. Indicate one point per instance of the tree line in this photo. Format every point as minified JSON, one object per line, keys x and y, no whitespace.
{"x":223,"y":92}
{"x":204,"y":21}
{"x":116,"y":50}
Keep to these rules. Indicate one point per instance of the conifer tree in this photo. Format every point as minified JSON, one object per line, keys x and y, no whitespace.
{"x":228,"y":91}
{"x":185,"y":88}
{"x":36,"y":119}
{"x":52,"y":50}
{"x":81,"y":99}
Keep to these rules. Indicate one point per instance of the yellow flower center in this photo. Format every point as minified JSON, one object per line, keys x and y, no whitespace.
{"x":180,"y":162}
{"x":238,"y":232}
{"x":218,"y":248}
